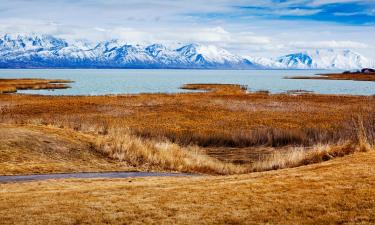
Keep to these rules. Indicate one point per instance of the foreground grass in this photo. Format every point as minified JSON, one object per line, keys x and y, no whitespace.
{"x":340,"y":191}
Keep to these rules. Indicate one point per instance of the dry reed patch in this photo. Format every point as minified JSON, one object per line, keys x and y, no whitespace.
{"x":360,"y":141}
{"x":12,"y":85}
{"x":333,"y":192}
{"x":234,"y":89}
{"x":340,"y":76}
{"x":301,"y":156}
{"x":121,"y":145}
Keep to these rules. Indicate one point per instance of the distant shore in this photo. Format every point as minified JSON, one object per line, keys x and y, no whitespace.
{"x":363,"y":75}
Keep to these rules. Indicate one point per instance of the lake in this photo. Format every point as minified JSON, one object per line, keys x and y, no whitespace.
{"x":116,"y":81}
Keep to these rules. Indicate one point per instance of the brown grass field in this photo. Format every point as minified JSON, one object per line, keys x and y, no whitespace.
{"x":340,"y":76}
{"x":134,"y":128}
{"x":340,"y":191}
{"x":223,"y":130}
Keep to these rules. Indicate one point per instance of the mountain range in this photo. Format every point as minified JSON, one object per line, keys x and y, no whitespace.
{"x":46,"y":51}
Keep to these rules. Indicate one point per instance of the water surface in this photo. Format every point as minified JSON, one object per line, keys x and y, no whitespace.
{"x":117,"y":81}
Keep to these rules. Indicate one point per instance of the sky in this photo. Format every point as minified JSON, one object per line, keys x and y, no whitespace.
{"x":249,"y":28}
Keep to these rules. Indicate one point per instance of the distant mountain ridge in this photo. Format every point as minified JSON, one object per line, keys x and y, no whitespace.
{"x":46,"y":51}
{"x":317,"y":59}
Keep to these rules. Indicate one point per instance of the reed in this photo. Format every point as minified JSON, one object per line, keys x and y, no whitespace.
{"x":362,"y":142}
{"x":121,"y":145}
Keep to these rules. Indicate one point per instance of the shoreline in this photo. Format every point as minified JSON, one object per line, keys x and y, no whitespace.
{"x":339,"y":76}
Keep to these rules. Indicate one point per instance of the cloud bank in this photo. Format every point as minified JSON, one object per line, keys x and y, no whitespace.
{"x":258,"y":28}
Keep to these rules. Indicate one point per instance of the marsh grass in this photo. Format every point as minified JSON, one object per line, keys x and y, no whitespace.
{"x":166,"y":132}
{"x":362,"y":141}
{"x":12,"y":85}
{"x":269,"y":136}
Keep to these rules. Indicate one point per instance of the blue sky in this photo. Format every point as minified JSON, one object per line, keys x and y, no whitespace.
{"x":254,"y":28}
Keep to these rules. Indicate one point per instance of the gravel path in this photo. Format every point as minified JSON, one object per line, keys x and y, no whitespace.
{"x":23,"y":178}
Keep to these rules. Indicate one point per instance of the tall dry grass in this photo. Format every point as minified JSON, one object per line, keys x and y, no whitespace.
{"x":268,"y":136}
{"x":362,"y":141}
{"x":121,"y":145}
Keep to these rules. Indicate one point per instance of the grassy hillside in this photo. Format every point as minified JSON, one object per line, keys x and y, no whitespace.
{"x":41,"y":149}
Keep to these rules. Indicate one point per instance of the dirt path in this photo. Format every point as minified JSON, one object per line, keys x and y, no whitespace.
{"x":24,"y":178}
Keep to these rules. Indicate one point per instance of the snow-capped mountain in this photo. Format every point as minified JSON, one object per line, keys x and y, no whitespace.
{"x":33,"y":51}
{"x":45,"y":51}
{"x":317,"y":59}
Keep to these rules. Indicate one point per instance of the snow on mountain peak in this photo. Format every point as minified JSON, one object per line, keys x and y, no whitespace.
{"x":325,"y":59}
{"x":316,"y":59}
{"x":22,"y":42}
{"x":48,"y":51}
{"x":32,"y":50}
{"x":208,"y":54}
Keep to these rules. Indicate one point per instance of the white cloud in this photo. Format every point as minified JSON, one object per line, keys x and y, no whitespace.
{"x":328,"y":44}
{"x":326,"y":2}
{"x":178,"y":21}
{"x":297,"y":12}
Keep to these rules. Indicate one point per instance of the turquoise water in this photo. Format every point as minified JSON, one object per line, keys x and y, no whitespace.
{"x":102,"y":82}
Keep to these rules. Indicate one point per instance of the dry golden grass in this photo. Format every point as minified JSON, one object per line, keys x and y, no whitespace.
{"x":213,"y":119}
{"x":340,"y":191}
{"x":121,"y":145}
{"x":340,"y":76}
{"x":41,"y":149}
{"x":31,"y":149}
{"x":12,"y":85}
{"x":300,"y":156}
{"x":164,"y":132}
{"x":44,"y":149}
